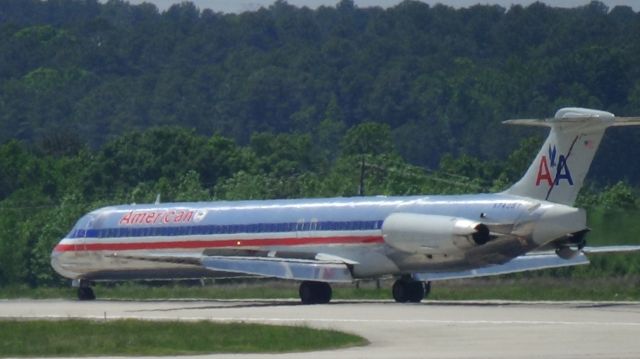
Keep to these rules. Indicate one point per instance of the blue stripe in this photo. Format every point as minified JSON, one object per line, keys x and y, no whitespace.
{"x":225,"y":229}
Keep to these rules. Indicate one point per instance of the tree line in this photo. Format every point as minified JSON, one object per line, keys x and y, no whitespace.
{"x":112,"y":103}
{"x":441,"y":78}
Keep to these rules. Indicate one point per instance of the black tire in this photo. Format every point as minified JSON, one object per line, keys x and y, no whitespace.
{"x":86,"y":293}
{"x":409,"y":291}
{"x":324,"y":293}
{"x":400,"y":291}
{"x":315,"y":292}
{"x":306,"y":293}
{"x":416,"y":291}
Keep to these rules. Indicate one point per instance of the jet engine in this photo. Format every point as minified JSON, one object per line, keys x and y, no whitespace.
{"x":424,"y":233}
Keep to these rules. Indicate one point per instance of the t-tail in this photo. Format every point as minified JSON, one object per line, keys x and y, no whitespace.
{"x":559,"y":169}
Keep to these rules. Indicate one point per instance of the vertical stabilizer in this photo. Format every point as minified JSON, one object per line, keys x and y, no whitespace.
{"x":559,"y":169}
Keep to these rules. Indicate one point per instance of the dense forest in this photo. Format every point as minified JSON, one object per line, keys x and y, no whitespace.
{"x":441,"y":78}
{"x":115,"y":103}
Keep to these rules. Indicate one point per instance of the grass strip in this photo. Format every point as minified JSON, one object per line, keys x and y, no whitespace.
{"x":77,"y":337}
{"x":513,"y":287}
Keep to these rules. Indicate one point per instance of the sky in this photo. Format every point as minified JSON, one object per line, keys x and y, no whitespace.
{"x":236,"y":6}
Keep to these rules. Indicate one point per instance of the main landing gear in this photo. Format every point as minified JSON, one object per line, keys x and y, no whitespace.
{"x":315,"y":292}
{"x":85,"y":292}
{"x":406,"y":290}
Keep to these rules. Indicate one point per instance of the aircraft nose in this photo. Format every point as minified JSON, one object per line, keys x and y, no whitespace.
{"x":55,"y":258}
{"x":558,"y":221}
{"x":61,"y":262}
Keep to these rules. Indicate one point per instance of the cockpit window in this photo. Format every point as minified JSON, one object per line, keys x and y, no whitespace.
{"x":84,"y":223}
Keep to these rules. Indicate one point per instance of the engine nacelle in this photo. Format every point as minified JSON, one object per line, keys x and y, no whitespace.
{"x":424,"y":233}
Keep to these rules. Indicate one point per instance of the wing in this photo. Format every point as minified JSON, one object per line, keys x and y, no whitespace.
{"x":518,"y":264}
{"x":317,"y":267}
{"x":534,"y":261}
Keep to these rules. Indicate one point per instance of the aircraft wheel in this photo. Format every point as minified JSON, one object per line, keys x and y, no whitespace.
{"x":315,"y":292}
{"x":400,"y":291}
{"x":306,"y":293}
{"x":410,"y":291}
{"x":325,"y":292}
{"x":416,"y":292}
{"x":86,"y":293}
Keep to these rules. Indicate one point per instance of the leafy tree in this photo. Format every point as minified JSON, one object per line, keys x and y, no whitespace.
{"x":365,"y":141}
{"x":618,"y":197}
{"x":190,"y":189}
{"x":283,"y":155}
{"x":440,"y":77}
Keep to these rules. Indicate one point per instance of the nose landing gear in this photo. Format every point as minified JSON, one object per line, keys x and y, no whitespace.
{"x":85,"y":292}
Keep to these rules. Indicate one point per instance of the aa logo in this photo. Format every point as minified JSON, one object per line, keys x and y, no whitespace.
{"x":552,"y":171}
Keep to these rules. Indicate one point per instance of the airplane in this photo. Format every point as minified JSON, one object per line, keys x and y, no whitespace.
{"x":415,"y":239}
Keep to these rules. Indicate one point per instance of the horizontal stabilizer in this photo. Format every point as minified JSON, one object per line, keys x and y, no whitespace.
{"x":528,"y":122}
{"x":626,"y":121}
{"x":547,"y":122}
{"x":519,"y":264}
{"x":574,"y":115}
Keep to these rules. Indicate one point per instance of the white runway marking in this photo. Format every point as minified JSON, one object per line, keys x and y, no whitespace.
{"x":334,"y":320}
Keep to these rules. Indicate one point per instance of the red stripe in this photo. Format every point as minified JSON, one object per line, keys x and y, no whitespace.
{"x":122,"y":246}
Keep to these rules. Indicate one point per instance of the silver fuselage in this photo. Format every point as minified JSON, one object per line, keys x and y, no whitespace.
{"x":102,"y":243}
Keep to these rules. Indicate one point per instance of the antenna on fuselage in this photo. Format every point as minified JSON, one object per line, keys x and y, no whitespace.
{"x":157,"y":199}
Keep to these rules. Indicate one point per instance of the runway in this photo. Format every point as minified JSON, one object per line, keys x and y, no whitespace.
{"x":479,"y":329}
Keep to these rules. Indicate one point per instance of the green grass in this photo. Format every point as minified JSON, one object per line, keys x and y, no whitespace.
{"x":576,"y":285}
{"x":542,"y":288}
{"x":136,"y":337}
{"x":517,"y":288}
{"x":613,"y":227}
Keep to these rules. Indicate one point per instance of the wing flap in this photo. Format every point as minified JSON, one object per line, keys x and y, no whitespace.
{"x":519,"y":264}
{"x":297,"y":269}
